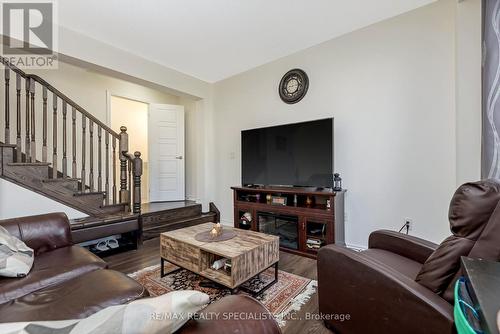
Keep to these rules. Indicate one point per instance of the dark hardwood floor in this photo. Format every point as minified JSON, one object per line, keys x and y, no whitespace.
{"x":148,"y":255}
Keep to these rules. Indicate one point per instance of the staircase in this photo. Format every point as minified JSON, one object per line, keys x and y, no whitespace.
{"x":54,"y":147}
{"x":155,"y":221}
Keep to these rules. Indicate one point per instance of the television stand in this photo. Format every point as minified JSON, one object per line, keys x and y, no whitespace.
{"x":305,"y":218}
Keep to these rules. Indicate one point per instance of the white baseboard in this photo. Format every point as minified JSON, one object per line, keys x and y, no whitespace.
{"x":226,"y":222}
{"x":356,"y":247}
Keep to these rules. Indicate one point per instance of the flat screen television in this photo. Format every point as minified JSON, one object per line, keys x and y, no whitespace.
{"x":299,"y":154}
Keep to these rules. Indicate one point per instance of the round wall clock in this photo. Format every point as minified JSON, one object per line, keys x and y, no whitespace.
{"x":293,"y":86}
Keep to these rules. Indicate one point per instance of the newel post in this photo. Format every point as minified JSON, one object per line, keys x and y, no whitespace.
{"x":137,"y":171}
{"x":124,"y":193}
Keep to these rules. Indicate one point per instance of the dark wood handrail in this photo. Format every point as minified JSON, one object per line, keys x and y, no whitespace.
{"x":73,"y":104}
{"x":13,"y":67}
{"x":60,"y":95}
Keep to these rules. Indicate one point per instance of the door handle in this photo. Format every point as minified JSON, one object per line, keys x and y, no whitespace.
{"x":179,"y":157}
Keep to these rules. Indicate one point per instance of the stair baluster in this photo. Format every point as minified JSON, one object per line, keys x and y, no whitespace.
{"x":54,"y":136}
{"x":73,"y":143}
{"x":18,"y":118}
{"x":106,"y":185}
{"x":64,"y":159}
{"x":99,"y":158}
{"x":44,"y":131}
{"x":91,"y":155}
{"x":137,"y":182}
{"x":130,"y":184}
{"x":27,"y":134}
{"x":114,"y":171}
{"x":33,"y":124}
{"x":7,"y":105}
{"x":123,"y":149}
{"x":84,"y":135}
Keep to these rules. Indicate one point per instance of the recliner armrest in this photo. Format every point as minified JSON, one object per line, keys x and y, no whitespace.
{"x":405,"y":245}
{"x":42,"y":233}
{"x":376,"y":297}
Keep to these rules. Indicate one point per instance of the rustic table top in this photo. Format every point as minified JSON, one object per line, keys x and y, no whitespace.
{"x":243,"y":242}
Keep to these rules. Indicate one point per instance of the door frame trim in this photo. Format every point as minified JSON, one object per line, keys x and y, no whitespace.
{"x":109,"y":94}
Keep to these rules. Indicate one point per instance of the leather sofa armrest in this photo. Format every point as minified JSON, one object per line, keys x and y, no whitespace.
{"x":42,"y":233}
{"x":405,"y":245}
{"x":376,"y":297}
{"x":233,"y":314}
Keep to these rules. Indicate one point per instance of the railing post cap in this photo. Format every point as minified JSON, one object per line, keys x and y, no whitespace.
{"x":123,"y":128}
{"x":137,"y":154}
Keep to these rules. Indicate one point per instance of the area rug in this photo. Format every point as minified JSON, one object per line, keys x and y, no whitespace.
{"x":285,"y":296}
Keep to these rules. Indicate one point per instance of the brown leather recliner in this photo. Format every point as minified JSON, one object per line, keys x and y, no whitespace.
{"x":403,"y":283}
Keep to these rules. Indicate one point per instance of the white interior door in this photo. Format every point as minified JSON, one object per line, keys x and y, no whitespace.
{"x":166,"y":153}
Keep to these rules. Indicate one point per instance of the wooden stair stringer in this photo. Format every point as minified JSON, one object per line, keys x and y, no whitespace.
{"x":35,"y":176}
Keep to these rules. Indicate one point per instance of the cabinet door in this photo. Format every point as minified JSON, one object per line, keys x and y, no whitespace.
{"x":316,"y":234}
{"x":286,"y":227}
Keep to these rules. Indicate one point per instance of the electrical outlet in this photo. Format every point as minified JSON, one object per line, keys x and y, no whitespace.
{"x":409,"y":221}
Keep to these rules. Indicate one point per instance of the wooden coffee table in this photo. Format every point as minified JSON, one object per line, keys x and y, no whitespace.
{"x":250,"y":254}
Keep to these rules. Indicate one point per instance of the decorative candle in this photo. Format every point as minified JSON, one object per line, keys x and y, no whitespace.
{"x":218,"y":228}
{"x":213,"y":233}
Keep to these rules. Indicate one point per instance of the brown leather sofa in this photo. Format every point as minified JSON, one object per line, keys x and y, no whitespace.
{"x":403,"y":283}
{"x":69,"y":282}
{"x":66,"y":281}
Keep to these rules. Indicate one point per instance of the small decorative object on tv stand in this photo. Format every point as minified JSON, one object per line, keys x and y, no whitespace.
{"x":337,"y":182}
{"x":309,"y":219}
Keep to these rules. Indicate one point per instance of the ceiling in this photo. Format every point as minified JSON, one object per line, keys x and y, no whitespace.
{"x":215,"y":39}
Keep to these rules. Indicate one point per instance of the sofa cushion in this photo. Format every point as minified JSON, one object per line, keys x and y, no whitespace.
{"x":75,"y":298}
{"x":42,"y":233}
{"x":51,"y":268}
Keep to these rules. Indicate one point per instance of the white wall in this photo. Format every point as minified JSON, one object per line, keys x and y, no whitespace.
{"x":75,"y":45}
{"x":468,"y":89}
{"x":391,"y":90}
{"x":89,"y":88}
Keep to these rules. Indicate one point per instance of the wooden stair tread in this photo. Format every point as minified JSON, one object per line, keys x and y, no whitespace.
{"x":178,"y":221}
{"x":114,"y":205}
{"x":93,"y":221}
{"x":76,"y":194}
{"x":68,"y":179}
{"x":28,"y":164}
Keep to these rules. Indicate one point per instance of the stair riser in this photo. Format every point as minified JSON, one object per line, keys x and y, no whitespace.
{"x":112,"y":209}
{"x":149,"y":233}
{"x":71,"y":186}
{"x":92,"y":200}
{"x":159,"y":218}
{"x":27,"y":173}
{"x":6,"y":155}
